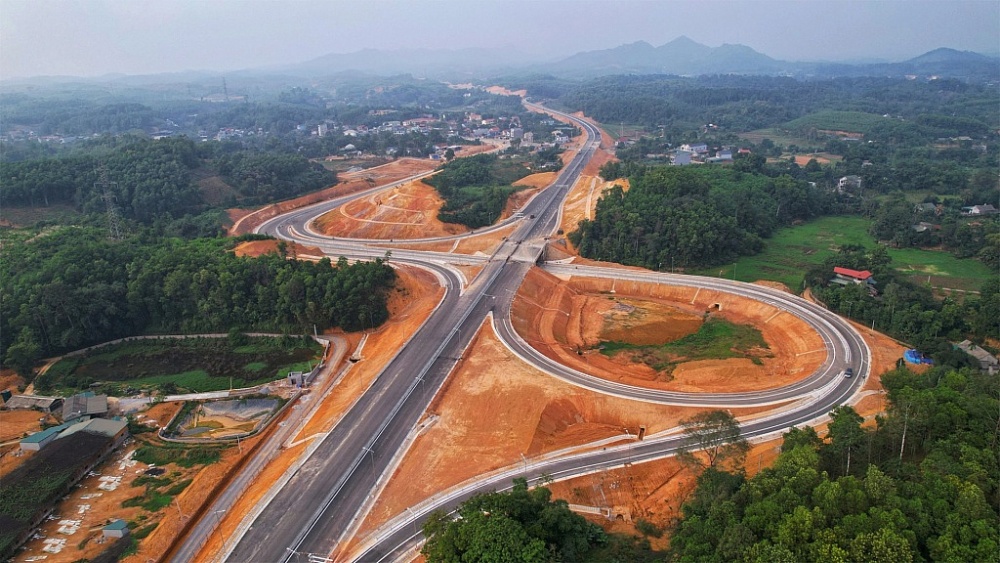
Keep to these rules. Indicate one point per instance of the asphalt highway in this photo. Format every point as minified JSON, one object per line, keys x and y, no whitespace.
{"x":823,"y":390}
{"x":324,"y":499}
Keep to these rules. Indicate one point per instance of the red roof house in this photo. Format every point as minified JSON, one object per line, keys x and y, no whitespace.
{"x":863,"y":275}
{"x":845,"y":276}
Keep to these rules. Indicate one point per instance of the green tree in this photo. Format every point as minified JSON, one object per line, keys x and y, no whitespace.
{"x":715,"y":434}
{"x":520,"y":525}
{"x":24,"y":353}
{"x":846,"y":436}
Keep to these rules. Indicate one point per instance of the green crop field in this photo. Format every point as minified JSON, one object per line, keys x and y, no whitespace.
{"x":830,"y":120}
{"x":779,"y":136}
{"x":193,"y":364}
{"x":793,"y":250}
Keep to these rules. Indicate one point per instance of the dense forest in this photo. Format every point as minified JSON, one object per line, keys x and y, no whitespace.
{"x":520,"y":525}
{"x":922,"y":484}
{"x":148,"y":179}
{"x":71,"y":287}
{"x":744,"y":103}
{"x":683,"y":217}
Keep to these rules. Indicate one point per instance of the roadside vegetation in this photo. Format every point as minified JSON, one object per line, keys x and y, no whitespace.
{"x":520,"y":525}
{"x":69,"y":288}
{"x":922,"y":484}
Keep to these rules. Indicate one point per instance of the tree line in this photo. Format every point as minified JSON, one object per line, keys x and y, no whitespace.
{"x":744,"y":103}
{"x":922,"y":484}
{"x":151,"y":178}
{"x":904,"y":309}
{"x":72,"y":288}
{"x":475,"y":189}
{"x":687,"y":217}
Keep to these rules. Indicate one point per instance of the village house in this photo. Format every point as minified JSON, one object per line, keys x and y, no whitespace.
{"x":700,"y":148}
{"x":37,"y":402}
{"x":681,"y":158}
{"x":924,"y":226}
{"x":847,"y":183}
{"x":85,"y":406}
{"x":980,"y":210}
{"x":847,"y":276}
{"x":987,"y":361}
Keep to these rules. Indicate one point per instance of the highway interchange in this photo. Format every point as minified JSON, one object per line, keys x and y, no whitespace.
{"x":323,"y":502}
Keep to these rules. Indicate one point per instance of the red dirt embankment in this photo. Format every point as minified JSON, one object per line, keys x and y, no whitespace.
{"x":411,"y":211}
{"x":565,"y":319}
{"x":417,"y":293}
{"x":245,"y":220}
{"x":470,"y":431}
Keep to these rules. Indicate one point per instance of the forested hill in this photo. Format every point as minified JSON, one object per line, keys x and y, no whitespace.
{"x":923,"y":484}
{"x":940,"y":108}
{"x":153,"y":178}
{"x":686,"y":217}
{"x":71,"y":288}
{"x":476,"y":188}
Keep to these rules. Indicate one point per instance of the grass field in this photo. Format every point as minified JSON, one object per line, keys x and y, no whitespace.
{"x":780,"y":136}
{"x":793,"y":250}
{"x":617,"y":130}
{"x":29,"y":216}
{"x":830,"y":120}
{"x":716,"y":339}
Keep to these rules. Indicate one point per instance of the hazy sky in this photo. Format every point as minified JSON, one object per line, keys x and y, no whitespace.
{"x":94,"y":37}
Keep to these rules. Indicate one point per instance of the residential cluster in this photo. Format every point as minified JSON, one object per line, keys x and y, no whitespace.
{"x":84,"y":412}
{"x":699,"y":153}
{"x":470,"y":127}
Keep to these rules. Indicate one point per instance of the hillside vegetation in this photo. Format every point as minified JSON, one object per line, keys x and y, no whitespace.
{"x":72,"y":287}
{"x":476,"y":189}
{"x":684,"y":217}
{"x":923,"y":484}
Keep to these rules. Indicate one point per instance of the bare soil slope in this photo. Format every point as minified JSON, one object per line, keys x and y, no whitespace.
{"x":565,"y":319}
{"x":245,"y":220}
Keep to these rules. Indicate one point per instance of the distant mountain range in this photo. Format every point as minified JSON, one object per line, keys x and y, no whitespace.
{"x":471,"y":63}
{"x":682,"y":56}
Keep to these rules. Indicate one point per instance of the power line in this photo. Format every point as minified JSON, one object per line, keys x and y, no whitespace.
{"x":108,"y":189}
